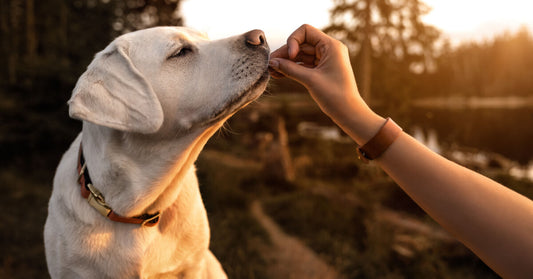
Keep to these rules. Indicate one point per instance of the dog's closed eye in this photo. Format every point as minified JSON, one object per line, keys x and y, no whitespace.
{"x":181,"y":52}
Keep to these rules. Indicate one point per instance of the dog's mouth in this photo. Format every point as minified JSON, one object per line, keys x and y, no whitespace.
{"x":241,"y":100}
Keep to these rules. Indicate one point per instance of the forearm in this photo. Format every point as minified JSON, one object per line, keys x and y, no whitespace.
{"x":495,"y":222}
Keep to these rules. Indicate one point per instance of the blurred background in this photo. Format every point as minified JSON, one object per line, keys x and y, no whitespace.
{"x":285,"y":194}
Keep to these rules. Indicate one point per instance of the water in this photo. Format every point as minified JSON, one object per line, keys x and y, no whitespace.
{"x":483,"y":126}
{"x":508,"y":132}
{"x":505,"y":131}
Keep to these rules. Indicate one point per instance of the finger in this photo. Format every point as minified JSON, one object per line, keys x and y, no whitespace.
{"x":290,"y":69}
{"x":305,"y":34}
{"x":308,"y":61}
{"x":281,"y":52}
{"x":273,"y":72}
{"x":305,"y":59}
{"x":307,"y":49}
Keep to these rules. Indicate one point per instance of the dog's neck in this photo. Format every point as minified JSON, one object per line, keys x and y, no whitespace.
{"x":139,"y":174}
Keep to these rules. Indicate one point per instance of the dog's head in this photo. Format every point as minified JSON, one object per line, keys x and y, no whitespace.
{"x":171,"y":76}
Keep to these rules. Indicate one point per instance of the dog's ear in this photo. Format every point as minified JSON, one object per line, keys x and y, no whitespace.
{"x":113,"y":93}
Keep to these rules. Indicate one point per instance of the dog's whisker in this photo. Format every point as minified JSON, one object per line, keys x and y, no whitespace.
{"x":142,"y":133}
{"x":226,"y":130}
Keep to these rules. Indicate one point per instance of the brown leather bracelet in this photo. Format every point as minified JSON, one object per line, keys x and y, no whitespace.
{"x":377,"y":145}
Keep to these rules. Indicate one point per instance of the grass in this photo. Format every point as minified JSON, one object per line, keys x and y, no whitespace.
{"x":331,"y":207}
{"x":23,"y":202}
{"x":236,"y":238}
{"x":356,"y":243}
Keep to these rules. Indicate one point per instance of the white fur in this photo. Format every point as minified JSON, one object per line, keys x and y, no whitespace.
{"x":146,"y":118}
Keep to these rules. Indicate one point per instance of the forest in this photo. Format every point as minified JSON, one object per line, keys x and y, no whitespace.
{"x":398,"y":60}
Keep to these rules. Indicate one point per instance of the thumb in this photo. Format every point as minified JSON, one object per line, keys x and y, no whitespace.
{"x":291,"y":69}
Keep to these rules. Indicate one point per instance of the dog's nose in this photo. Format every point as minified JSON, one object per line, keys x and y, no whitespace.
{"x":255,"y":38}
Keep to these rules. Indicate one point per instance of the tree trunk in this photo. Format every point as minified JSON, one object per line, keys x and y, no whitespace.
{"x":4,"y":35}
{"x":365,"y":66}
{"x":286,"y":160}
{"x":365,"y":63}
{"x":31,"y":37}
{"x":15,"y":13}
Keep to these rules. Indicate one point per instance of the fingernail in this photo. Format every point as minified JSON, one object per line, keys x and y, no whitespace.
{"x":273,"y":63}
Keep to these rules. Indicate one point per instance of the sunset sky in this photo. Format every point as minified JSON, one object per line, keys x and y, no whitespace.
{"x":458,"y":19}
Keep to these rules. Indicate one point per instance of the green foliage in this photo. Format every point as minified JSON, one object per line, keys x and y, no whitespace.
{"x":497,"y":67}
{"x":387,"y":39}
{"x":394,"y":27}
{"x":397,"y":57}
{"x":44,"y":48}
{"x":46,"y":45}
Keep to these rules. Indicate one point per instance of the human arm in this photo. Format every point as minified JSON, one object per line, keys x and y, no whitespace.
{"x":495,"y":222}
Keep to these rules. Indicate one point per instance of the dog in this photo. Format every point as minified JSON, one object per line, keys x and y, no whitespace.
{"x":125,"y":201}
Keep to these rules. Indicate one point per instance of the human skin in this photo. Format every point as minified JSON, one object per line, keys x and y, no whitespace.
{"x":493,"y":221}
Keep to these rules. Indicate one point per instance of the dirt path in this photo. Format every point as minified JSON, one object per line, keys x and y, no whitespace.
{"x":290,"y":258}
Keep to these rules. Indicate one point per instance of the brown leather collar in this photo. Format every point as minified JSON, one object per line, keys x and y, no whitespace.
{"x":96,"y":199}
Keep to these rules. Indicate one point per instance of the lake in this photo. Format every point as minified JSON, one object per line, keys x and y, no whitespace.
{"x":503,"y":126}
{"x":508,"y":132}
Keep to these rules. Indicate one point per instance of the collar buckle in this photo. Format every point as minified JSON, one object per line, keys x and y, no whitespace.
{"x":96,"y":200}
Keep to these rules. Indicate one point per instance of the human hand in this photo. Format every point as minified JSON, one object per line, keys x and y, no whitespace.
{"x":322,"y":64}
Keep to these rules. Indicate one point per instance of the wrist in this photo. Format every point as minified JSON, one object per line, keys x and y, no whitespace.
{"x":360,"y":122}
{"x":380,"y":142}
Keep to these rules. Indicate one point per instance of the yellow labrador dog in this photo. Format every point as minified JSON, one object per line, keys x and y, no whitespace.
{"x":125,"y":202}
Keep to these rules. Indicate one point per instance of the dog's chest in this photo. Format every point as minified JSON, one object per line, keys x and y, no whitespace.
{"x":144,"y":254}
{"x":177,"y":246}
{"x":176,"y":253}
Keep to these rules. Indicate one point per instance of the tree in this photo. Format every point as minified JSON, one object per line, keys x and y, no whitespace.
{"x":56,"y":38}
{"x":134,"y":15}
{"x":45,"y":46}
{"x":384,"y":29}
{"x":497,"y":67}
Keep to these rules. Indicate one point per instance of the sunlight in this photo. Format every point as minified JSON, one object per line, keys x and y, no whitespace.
{"x":460,"y":20}
{"x":277,"y":18}
{"x":478,"y":19}
{"x":522,"y":172}
{"x":97,"y":240}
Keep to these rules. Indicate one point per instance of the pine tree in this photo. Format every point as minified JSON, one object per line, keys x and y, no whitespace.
{"x":384,"y":29}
